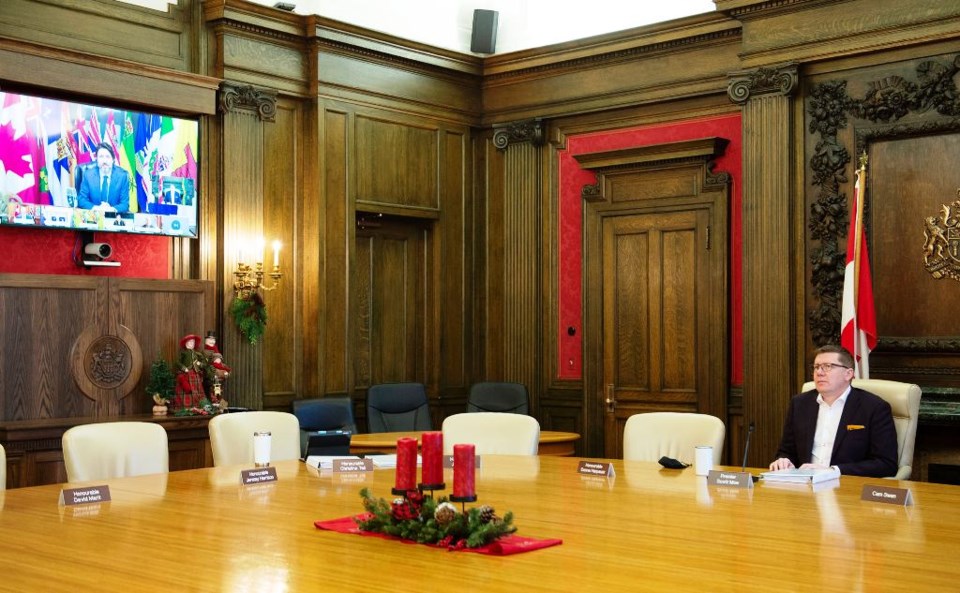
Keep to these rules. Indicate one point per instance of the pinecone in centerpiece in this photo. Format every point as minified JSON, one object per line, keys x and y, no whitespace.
{"x":445,"y":513}
{"x":487,"y":514}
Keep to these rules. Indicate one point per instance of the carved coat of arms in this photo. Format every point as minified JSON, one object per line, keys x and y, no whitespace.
{"x":941,"y":247}
{"x":109,"y":362}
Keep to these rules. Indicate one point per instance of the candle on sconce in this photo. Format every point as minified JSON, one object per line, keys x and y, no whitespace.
{"x":464,"y":472}
{"x":276,"y":254}
{"x":406,"y":465}
{"x":261,"y":247}
{"x":432,"y":447}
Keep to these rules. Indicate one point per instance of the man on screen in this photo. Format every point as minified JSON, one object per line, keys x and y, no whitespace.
{"x":838,"y":425}
{"x":105,"y":187}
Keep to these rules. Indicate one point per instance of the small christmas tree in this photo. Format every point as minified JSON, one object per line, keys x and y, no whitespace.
{"x":161,"y":383}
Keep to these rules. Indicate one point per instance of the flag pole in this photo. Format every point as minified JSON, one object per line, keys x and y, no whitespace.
{"x":860,"y":184}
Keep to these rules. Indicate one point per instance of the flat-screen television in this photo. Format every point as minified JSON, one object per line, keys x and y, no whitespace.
{"x":72,"y":165}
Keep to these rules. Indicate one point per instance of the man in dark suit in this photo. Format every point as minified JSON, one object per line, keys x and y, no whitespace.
{"x":837,"y":425}
{"x":106,"y":186}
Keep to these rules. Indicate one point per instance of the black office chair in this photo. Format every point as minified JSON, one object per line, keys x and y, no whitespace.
{"x":498,"y":397}
{"x":322,"y":415}
{"x":398,"y":407}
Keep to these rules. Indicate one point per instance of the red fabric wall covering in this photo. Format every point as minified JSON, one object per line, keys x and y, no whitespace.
{"x":570,"y":256}
{"x":50,"y":251}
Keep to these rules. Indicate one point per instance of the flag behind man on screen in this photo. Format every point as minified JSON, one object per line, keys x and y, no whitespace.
{"x":858,"y":321}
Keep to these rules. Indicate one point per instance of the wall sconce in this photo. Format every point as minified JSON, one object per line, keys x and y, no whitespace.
{"x":250,"y":279}
{"x":249,"y":311}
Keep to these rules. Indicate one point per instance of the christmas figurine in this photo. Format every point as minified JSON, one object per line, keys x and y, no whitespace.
{"x":189,"y":392}
{"x":214,"y":358}
{"x":216,"y":370}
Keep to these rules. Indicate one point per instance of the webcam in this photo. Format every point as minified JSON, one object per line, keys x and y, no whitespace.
{"x":92,"y":253}
{"x":100,"y":250}
{"x":288,"y":6}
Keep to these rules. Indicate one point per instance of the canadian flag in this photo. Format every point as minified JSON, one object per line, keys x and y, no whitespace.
{"x":858,"y":321}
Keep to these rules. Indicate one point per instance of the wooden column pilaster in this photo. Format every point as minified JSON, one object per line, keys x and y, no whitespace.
{"x":768,"y":333}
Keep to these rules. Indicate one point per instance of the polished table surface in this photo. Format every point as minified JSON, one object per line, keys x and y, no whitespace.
{"x":551,"y":442}
{"x":645,"y":530}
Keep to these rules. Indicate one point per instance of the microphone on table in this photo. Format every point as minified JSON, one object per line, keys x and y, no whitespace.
{"x":746,"y":449}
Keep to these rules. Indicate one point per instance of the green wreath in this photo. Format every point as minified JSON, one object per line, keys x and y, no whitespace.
{"x":250,"y":315}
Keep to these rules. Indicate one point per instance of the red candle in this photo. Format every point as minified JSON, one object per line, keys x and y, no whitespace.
{"x":432,"y":454}
{"x":464,"y":471}
{"x":406,"y":464}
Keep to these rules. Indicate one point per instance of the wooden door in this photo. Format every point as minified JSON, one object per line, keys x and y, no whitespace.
{"x":656,"y":292}
{"x":388,"y":288}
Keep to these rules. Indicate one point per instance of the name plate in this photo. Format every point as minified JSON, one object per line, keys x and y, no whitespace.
{"x":258,"y":475}
{"x":595,"y":468}
{"x":448,"y":461}
{"x":352,"y":465}
{"x":718,"y":477}
{"x":886,"y":495}
{"x":87,"y":495}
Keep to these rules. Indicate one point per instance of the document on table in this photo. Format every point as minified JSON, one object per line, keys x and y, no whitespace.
{"x":379,"y":461}
{"x":801,"y":476}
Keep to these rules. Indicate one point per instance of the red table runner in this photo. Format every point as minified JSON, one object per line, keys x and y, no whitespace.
{"x":505,"y":546}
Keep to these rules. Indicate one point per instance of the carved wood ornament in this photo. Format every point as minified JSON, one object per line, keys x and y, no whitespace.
{"x":530,"y":130}
{"x":703,"y":150}
{"x":236,"y":98}
{"x":941,"y":247}
{"x":776,"y":79}
{"x":830,"y":108}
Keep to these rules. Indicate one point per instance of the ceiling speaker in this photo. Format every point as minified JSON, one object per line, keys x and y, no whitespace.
{"x":484,"y":38}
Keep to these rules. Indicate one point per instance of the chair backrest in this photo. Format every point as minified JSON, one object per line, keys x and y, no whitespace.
{"x":492,"y":396}
{"x":493,"y":433}
{"x":650,"y":436}
{"x":322,"y":414}
{"x":398,"y":407}
{"x":231,"y":436}
{"x":904,"y":400}
{"x":325,"y":413}
{"x":3,"y":468}
{"x":105,"y":450}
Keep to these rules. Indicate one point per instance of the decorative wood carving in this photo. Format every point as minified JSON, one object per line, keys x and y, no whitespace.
{"x":762,"y":81}
{"x":530,"y":130}
{"x":702,"y":150}
{"x":247,"y":98}
{"x":108,"y":362}
{"x":830,"y":109}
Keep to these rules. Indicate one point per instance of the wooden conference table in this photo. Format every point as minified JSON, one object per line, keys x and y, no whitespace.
{"x":645,"y":530}
{"x":551,"y":442}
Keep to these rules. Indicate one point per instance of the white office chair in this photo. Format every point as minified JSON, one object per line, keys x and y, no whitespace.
{"x":904,"y":400}
{"x":105,"y":450}
{"x":3,"y":468}
{"x":650,"y":436}
{"x":231,"y":436}
{"x":493,"y":433}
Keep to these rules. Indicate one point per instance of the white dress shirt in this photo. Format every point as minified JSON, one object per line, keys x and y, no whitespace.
{"x":828,"y":421}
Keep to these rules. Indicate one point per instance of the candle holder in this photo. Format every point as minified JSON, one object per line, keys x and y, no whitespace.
{"x":431,"y":487}
{"x":464,"y":499}
{"x":249,"y":279}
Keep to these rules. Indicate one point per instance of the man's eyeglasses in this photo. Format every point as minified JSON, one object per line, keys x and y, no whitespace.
{"x":828,"y":366}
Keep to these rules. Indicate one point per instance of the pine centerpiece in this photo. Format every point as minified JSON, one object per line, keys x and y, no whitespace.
{"x":427,"y":521}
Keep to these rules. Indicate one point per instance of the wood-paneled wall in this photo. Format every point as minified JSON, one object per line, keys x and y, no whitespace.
{"x":81,"y":347}
{"x":344,"y":122}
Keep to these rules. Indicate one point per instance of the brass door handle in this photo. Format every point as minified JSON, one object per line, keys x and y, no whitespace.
{"x":611,"y":399}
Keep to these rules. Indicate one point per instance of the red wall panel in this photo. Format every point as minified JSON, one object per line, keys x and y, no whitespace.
{"x":570,"y":256}
{"x":50,"y":251}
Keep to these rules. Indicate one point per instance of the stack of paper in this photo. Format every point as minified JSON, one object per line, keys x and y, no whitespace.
{"x":326,"y":461}
{"x":801,"y":476}
{"x":379,"y":461}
